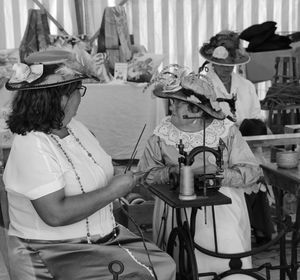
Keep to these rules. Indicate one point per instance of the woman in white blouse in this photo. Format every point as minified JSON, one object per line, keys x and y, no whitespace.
{"x":60,"y":186}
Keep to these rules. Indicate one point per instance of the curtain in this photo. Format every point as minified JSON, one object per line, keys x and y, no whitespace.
{"x":176,"y":28}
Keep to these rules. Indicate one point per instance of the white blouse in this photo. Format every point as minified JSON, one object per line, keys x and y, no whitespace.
{"x":37,"y":167}
{"x":247,"y":103}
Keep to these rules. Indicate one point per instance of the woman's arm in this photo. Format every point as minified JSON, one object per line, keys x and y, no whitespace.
{"x":153,"y":159}
{"x":57,"y":209}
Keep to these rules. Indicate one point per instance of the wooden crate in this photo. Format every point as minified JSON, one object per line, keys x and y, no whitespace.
{"x":141,"y":214}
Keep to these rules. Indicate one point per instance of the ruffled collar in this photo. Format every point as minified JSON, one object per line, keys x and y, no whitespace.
{"x":171,"y":134}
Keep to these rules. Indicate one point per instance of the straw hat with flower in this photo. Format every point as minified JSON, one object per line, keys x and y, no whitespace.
{"x":174,"y":82}
{"x":224,"y":49}
{"x":55,"y":67}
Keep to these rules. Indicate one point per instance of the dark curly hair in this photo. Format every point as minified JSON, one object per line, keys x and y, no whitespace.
{"x":39,"y":109}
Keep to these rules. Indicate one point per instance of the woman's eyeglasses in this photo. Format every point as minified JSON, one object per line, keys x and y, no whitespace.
{"x":82,"y":90}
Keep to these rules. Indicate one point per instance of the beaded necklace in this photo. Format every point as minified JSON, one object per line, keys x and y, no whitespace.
{"x":88,"y":235}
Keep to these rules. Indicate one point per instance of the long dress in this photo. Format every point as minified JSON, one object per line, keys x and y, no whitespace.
{"x":241,"y":171}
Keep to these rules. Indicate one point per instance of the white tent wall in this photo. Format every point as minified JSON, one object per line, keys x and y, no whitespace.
{"x":176,"y":28}
{"x":13,"y":19}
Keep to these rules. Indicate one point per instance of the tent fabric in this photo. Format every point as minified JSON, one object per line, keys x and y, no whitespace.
{"x":173,"y":27}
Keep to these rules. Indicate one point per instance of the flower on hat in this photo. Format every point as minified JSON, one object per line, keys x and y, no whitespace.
{"x":169,"y":78}
{"x":220,"y":52}
{"x":170,"y":82}
{"x":24,"y":73}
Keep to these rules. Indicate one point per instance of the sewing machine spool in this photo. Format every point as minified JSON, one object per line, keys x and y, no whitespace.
{"x":187,"y":190}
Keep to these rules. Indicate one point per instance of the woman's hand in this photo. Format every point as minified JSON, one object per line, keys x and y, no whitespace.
{"x":122,"y":184}
{"x":209,"y":169}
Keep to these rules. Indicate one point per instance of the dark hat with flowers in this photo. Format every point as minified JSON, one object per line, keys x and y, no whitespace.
{"x":224,"y":49}
{"x":175,"y":82}
{"x":53,"y":67}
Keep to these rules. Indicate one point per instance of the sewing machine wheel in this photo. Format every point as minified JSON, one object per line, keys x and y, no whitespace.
{"x":179,"y":247}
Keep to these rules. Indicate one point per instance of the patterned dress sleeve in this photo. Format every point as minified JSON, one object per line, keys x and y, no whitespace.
{"x":152,"y":160}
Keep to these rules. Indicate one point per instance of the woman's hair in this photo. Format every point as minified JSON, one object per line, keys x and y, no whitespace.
{"x":39,"y":109}
{"x":251,"y":127}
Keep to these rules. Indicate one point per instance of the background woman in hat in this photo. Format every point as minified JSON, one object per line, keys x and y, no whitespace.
{"x":223,"y":53}
{"x":61,"y":186}
{"x":194,"y":97}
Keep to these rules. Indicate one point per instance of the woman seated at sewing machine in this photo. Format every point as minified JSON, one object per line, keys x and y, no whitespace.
{"x":193,"y":112}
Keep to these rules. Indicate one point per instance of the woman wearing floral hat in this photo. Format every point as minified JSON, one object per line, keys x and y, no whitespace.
{"x":193,"y":110}
{"x":222,"y":53}
{"x":60,"y":183}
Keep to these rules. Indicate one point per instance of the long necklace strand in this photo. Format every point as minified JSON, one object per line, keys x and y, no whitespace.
{"x":81,"y":145}
{"x":150,"y":269}
{"x":88,"y":234}
{"x":95,"y":162}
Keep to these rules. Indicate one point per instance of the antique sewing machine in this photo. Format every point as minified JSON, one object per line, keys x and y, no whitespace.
{"x":191,"y":183}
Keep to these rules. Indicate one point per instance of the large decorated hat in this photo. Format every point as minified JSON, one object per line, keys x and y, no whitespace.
{"x":175,"y":82}
{"x":54,"y":67}
{"x":224,"y":49}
